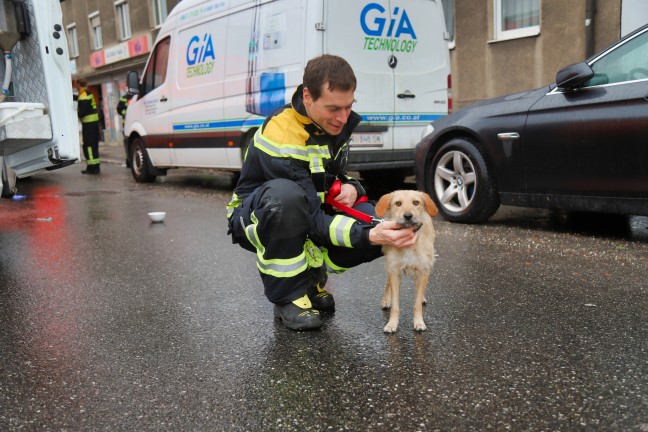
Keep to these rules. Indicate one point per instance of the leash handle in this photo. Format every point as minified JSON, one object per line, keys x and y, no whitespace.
{"x":335,"y":190}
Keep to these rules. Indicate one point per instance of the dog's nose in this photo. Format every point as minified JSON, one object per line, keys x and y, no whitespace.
{"x":408,"y":216}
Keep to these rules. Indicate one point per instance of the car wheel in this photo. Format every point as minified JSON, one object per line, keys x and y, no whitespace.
{"x":461,"y":184}
{"x":140,"y":164}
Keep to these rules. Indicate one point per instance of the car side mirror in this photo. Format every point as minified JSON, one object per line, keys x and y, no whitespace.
{"x":574,"y":76}
{"x":132,"y":82}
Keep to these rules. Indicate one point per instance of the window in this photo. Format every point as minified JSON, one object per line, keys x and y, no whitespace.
{"x":626,"y":63}
{"x":516,"y":18}
{"x":123,"y":20}
{"x":156,"y":69}
{"x":73,"y":40}
{"x":95,"y":31}
{"x":160,"y":13}
{"x":448,"y":12}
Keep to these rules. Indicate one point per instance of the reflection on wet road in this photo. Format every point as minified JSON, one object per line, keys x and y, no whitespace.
{"x":109,"y":322}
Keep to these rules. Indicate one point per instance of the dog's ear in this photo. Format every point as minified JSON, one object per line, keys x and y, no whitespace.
{"x":383,"y":204}
{"x":429,"y":205}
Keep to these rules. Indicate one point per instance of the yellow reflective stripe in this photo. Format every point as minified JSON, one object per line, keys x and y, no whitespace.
{"x":282,"y":268}
{"x":322,"y":196}
{"x":251,"y":234}
{"x":91,"y":159}
{"x":316,"y":163}
{"x":278,"y":267}
{"x":313,"y":154}
{"x":280,"y":150}
{"x":331,"y":267}
{"x":340,"y":230}
{"x":234,"y":202}
{"x":90,"y":118}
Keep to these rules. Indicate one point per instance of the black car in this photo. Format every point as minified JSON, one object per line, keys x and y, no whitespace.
{"x":579,"y":144}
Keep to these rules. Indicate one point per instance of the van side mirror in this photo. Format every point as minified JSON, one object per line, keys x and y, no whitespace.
{"x":132,"y":82}
{"x":574,"y":76}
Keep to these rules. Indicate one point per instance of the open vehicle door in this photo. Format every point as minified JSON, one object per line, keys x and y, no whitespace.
{"x":38,"y":122}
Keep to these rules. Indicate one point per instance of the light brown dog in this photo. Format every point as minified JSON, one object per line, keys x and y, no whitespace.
{"x":410,"y":209}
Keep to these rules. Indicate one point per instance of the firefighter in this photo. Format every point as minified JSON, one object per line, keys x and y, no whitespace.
{"x":123,"y":103}
{"x":89,"y":117}
{"x":277,"y":207}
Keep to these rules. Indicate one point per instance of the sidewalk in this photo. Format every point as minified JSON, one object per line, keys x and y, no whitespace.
{"x":112,"y":152}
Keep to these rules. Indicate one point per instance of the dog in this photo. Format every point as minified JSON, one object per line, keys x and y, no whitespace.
{"x":410,"y":209}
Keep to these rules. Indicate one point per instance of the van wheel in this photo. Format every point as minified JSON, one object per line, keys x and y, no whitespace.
{"x":140,"y":164}
{"x":461,"y":184}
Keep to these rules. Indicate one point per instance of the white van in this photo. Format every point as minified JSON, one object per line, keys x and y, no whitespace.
{"x":219,"y":67}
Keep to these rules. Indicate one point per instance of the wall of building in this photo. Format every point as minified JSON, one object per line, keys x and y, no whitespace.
{"x":483,"y":68}
{"x":106,"y":69}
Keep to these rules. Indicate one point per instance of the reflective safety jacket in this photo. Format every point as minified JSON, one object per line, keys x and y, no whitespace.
{"x":123,"y":103}
{"x":87,"y":107}
{"x":290,"y":145}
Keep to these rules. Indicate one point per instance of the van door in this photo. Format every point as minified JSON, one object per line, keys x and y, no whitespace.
{"x":400,"y":57}
{"x":153,"y":104}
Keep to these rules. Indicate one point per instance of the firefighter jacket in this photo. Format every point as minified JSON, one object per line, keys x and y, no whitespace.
{"x":123,"y":104}
{"x":290,"y":145}
{"x":87,"y":107}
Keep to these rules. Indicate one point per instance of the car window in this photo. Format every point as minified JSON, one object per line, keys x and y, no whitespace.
{"x":625,"y":63}
{"x":156,"y":70}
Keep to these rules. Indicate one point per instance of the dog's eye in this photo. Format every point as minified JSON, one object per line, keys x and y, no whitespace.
{"x":416,"y":202}
{"x":398,"y":203}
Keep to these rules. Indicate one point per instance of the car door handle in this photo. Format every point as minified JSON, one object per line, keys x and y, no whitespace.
{"x":163,"y":99}
{"x":406,"y":95}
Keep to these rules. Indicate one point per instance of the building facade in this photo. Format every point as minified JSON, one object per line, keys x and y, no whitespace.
{"x":496,"y":46}
{"x":106,"y":40}
{"x":505,"y":46}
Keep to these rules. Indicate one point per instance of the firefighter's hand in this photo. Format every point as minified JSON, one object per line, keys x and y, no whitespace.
{"x":348,"y":195}
{"x":391,"y":233}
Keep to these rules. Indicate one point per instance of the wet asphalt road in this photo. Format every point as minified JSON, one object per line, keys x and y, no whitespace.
{"x":536,"y":321}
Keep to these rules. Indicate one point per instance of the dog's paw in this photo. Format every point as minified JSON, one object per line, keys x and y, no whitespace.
{"x":419,"y":326}
{"x":391,"y":327}
{"x":385,"y":304}
{"x":424,"y":301}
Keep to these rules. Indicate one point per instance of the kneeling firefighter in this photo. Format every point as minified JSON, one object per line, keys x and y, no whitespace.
{"x":278,"y":207}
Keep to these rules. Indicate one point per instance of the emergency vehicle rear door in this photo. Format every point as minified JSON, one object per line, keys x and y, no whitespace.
{"x":38,"y":121}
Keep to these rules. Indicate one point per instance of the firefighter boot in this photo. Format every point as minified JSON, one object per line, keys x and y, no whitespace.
{"x":298,"y":315}
{"x":92,"y":169}
{"x":322,"y":300}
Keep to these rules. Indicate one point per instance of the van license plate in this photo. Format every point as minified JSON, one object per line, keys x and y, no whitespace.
{"x":367,"y":140}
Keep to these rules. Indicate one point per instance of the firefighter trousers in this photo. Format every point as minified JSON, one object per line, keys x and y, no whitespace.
{"x":274,"y":222}
{"x":90,"y":136}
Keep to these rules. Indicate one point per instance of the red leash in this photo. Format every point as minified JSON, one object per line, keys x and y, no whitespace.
{"x":335,"y":191}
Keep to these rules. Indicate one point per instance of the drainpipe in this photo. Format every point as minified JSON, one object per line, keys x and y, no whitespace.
{"x":590,"y":11}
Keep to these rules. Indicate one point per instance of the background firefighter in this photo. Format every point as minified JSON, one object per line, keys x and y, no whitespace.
{"x":89,"y":117}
